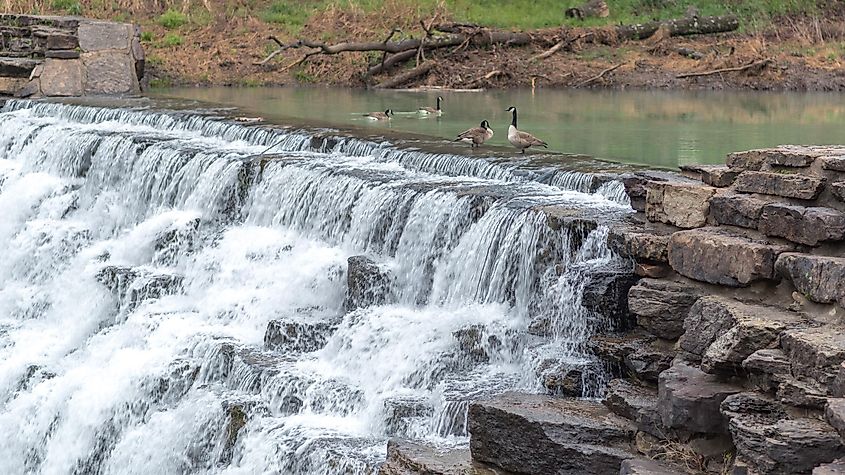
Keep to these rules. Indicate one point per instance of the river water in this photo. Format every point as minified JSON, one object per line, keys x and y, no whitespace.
{"x":146,"y":251}
{"x":655,"y":128}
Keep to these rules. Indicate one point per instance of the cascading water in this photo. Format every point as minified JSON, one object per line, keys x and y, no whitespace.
{"x":146,"y":255}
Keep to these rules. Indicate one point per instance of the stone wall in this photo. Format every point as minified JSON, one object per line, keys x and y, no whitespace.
{"x":734,"y":361}
{"x":68,"y":56}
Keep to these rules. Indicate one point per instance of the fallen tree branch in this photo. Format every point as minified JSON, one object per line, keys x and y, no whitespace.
{"x":599,"y":75}
{"x":757,"y":64}
{"x":400,"y":79}
{"x":487,"y":76}
{"x":560,"y":44}
{"x":679,"y":27}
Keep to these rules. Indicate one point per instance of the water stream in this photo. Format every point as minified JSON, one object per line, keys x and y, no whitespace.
{"x":145,"y":253}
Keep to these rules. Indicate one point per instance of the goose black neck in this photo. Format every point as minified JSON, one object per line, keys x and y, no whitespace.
{"x":438,"y":103}
{"x":513,"y":122}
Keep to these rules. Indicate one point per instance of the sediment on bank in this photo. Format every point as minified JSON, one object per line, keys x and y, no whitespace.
{"x":731,"y":354}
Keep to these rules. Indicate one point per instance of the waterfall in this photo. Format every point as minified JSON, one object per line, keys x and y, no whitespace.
{"x":147,"y":254}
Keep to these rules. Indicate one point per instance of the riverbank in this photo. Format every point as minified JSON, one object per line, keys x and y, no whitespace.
{"x":204,"y":44}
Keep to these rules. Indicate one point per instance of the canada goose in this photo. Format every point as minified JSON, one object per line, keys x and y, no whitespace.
{"x":431,"y":110}
{"x":520,"y":139}
{"x":386,"y":115}
{"x":476,"y":135}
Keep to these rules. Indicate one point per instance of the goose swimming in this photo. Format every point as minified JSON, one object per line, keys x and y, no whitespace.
{"x":432,"y":110}
{"x":519,"y":139}
{"x":386,"y":115}
{"x":476,"y":135}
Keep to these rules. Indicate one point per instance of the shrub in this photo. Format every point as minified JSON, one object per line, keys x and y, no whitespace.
{"x":172,"y":19}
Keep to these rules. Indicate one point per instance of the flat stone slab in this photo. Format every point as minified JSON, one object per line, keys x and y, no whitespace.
{"x":100,"y":36}
{"x":724,"y":332}
{"x":62,"y":77}
{"x":780,"y":184}
{"x":410,"y":458}
{"x":815,"y":353}
{"x":683,"y":205}
{"x":689,"y":400}
{"x":535,"y":434}
{"x":643,"y":242}
{"x":636,"y":403}
{"x":783,"y":156}
{"x":109,"y":73}
{"x":836,"y":164}
{"x":662,"y":306}
{"x":819,"y":278}
{"x":646,"y":467}
{"x":17,"y":67}
{"x":767,"y":368}
{"x":737,"y":210}
{"x":804,"y":225}
{"x":719,"y":256}
{"x":719,"y":176}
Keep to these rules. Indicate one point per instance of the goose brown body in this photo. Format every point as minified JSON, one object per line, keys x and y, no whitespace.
{"x":476,"y":135}
{"x":386,"y":115}
{"x":519,"y":139}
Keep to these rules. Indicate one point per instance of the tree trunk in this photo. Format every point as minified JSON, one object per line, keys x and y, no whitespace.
{"x":679,"y":27}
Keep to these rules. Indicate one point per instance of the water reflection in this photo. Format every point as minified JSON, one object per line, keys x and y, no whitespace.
{"x":655,"y":128}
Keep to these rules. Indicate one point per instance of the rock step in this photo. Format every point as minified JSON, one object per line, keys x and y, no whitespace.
{"x":535,"y":434}
{"x":719,"y":176}
{"x":17,"y":67}
{"x":819,"y":278}
{"x":689,"y":400}
{"x":684,"y":205}
{"x":815,"y":354}
{"x":662,"y":306}
{"x":642,"y":356}
{"x":647,"y":467}
{"x":782,"y":156}
{"x":737,"y":210}
{"x":642,"y":241}
{"x":804,"y":225}
{"x":780,"y":184}
{"x":722,"y":256}
{"x":410,"y":458}
{"x":636,"y":403}
{"x":606,"y":293}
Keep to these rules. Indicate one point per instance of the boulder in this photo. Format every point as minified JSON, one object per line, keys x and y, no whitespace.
{"x":533,"y":434}
{"x":815,"y":353}
{"x":562,"y":378}
{"x":641,"y":466}
{"x":109,"y":73}
{"x":837,"y":467}
{"x":366,"y":283}
{"x":662,"y":306}
{"x":606,"y":293}
{"x":680,"y":204}
{"x":636,"y":403}
{"x":783,"y":156}
{"x":779,"y":184}
{"x":772,"y":442}
{"x":819,"y":278}
{"x":736,"y":210}
{"x":723,"y":257}
{"x":838,"y":190}
{"x":642,"y":356}
{"x":767,"y":368}
{"x":410,"y":458}
{"x":100,"y":36}
{"x":62,"y":77}
{"x":297,"y":337}
{"x":689,"y":399}
{"x":809,"y":226}
{"x":475,"y":344}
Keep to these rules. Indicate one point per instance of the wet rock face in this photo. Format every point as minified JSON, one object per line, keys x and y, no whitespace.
{"x":607,"y":295}
{"x":366,"y":283}
{"x":723,"y":257}
{"x":133,"y":285}
{"x":819,"y":278}
{"x":534,"y":434}
{"x":772,"y":442}
{"x":689,"y":400}
{"x":408,"y":458}
{"x":662,"y":306}
{"x":808,"y":226}
{"x":296,"y":336}
{"x":778,"y":184}
{"x":642,"y":356}
{"x":679,"y":204}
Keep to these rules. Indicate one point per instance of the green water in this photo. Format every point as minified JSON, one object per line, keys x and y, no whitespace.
{"x":664,"y":129}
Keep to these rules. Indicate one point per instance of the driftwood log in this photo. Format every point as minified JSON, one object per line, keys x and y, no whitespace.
{"x":679,"y":27}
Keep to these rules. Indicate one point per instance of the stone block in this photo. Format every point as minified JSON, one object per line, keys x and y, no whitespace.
{"x":836,"y":164}
{"x":647,"y":242}
{"x":636,"y":403}
{"x":643,"y":356}
{"x":62,"y":54}
{"x":815,"y":354}
{"x":680,"y":204}
{"x":736,"y":210}
{"x":662,"y":306}
{"x":11,"y":86}
{"x":783,"y":156}
{"x":17,"y":67}
{"x":834,"y":414}
{"x":819,"y":278}
{"x":606,"y":293}
{"x":99,"y":36}
{"x":772,"y":442}
{"x":810,"y":225}
{"x":292,"y":336}
{"x":780,"y":184}
{"x":109,"y":73}
{"x":534,"y":434}
{"x":723,"y":257}
{"x":689,"y":399}
{"x":647,"y":467}
{"x":838,"y":190}
{"x":62,"y":41}
{"x":62,"y":77}
{"x":767,"y":368}
{"x":405,"y":458}
{"x":366,"y":283}
{"x":798,"y":393}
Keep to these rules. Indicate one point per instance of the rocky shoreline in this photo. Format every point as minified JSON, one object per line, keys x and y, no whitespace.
{"x":732,"y":358}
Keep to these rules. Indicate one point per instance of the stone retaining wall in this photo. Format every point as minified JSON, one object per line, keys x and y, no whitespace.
{"x":68,"y":56}
{"x":735,"y":357}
